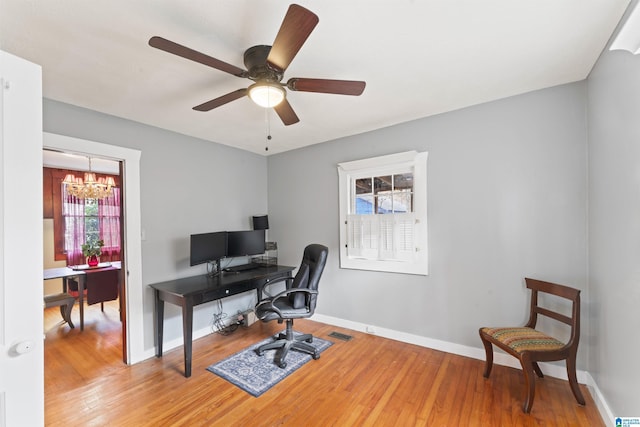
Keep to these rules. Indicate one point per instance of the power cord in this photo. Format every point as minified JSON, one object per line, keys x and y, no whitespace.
{"x":218,"y":325}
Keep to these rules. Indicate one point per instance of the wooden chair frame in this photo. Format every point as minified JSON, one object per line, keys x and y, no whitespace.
{"x":529,"y":358}
{"x":63,"y":300}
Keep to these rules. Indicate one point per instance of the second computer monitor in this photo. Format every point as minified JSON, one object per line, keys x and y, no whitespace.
{"x":207,"y":247}
{"x":243,"y":243}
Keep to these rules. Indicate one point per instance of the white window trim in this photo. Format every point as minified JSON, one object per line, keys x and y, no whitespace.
{"x":385,"y":165}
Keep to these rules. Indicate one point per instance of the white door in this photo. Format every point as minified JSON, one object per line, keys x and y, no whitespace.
{"x":21,"y":247}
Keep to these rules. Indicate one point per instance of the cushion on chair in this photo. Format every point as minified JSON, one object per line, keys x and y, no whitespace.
{"x":298,"y":299}
{"x":524,"y":339}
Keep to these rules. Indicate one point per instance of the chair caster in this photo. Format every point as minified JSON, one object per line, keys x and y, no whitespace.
{"x":259,"y":353}
{"x":282,"y":365}
{"x":316,"y":355}
{"x":309,"y":340}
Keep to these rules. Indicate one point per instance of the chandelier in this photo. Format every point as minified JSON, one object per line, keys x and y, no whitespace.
{"x":90,"y":187}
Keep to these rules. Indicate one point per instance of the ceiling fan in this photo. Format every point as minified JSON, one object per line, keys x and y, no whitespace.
{"x":266,"y":66}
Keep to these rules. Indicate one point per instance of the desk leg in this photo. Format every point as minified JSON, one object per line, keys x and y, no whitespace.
{"x":159,"y":323}
{"x":187,"y":331}
{"x":81,"y":285}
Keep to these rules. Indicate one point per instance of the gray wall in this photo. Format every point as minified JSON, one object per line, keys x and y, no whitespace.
{"x":614,"y":228}
{"x":507,"y":199}
{"x":510,"y":190}
{"x":187,"y":186}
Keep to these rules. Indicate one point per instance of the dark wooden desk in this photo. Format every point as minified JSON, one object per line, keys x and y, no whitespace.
{"x":79,"y":272}
{"x":191,"y":291}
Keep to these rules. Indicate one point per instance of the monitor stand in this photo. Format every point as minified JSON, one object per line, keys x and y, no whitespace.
{"x":215,"y":268}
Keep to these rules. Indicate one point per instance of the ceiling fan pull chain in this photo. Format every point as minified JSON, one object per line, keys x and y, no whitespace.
{"x":268,"y":124}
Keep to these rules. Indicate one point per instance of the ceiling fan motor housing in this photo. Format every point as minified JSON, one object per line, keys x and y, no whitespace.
{"x":255,"y":59}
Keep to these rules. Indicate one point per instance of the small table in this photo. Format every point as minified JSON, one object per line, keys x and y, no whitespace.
{"x":191,"y":291}
{"x":65,"y":273}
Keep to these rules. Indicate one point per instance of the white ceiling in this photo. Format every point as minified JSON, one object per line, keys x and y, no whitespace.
{"x":418,"y":57}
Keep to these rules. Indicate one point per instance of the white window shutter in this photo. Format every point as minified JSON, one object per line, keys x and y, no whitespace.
{"x":404,"y":236}
{"x":362,"y":235}
{"x":387,"y":246}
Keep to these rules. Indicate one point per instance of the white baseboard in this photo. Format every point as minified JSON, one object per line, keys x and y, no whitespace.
{"x":175,"y":343}
{"x":499,"y":358}
{"x":601,"y":402}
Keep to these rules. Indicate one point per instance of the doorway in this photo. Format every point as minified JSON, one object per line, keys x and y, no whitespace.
{"x":132,"y":260}
{"x":70,"y":223}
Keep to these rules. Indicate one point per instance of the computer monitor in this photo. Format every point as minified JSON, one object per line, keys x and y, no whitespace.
{"x":243,"y":243}
{"x":208,"y":247}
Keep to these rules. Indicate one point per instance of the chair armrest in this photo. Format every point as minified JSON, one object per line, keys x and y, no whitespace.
{"x":287,"y":292}
{"x":267,"y":285}
{"x":268,"y":304}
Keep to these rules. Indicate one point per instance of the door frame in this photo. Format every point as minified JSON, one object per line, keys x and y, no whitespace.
{"x":132,"y":262}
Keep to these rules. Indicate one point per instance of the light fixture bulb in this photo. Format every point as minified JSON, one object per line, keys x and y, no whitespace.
{"x":266,"y":94}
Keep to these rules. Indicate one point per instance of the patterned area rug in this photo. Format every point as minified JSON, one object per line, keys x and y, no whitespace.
{"x":257,"y":374}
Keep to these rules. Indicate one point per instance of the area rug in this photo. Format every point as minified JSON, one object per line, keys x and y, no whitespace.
{"x":257,"y":374}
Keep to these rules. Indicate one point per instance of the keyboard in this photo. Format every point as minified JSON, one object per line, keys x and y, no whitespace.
{"x":243,"y":267}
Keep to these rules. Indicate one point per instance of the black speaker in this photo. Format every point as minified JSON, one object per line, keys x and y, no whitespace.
{"x":261,"y":222}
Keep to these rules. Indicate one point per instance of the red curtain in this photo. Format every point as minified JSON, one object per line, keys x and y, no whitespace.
{"x":109,"y":219}
{"x":73,"y":216}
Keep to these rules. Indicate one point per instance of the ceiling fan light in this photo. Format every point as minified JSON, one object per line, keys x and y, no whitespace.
{"x":266,"y":94}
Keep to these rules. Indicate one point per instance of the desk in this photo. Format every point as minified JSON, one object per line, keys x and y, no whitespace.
{"x":191,"y":291}
{"x":65,"y":273}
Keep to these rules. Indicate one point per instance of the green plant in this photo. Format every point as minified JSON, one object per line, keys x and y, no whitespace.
{"x":92,"y":248}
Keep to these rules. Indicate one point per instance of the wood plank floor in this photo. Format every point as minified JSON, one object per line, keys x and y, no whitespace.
{"x":367,"y":381}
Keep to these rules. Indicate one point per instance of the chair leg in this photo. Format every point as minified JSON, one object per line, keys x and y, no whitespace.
{"x":573,"y":379}
{"x":529,"y":384}
{"x":65,"y":312}
{"x":286,"y":341}
{"x":488,"y":349}
{"x":281,"y":354}
{"x":537,"y":369}
{"x":67,"y":316}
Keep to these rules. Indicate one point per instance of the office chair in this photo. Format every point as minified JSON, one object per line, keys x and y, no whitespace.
{"x":531,"y":346}
{"x":297,"y":301}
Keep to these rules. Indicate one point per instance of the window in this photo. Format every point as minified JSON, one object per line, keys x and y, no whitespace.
{"x":383,"y":213}
{"x":90,"y":220}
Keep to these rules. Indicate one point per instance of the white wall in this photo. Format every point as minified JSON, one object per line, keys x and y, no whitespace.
{"x":187,"y":186}
{"x":507,"y":199}
{"x":614,"y":229}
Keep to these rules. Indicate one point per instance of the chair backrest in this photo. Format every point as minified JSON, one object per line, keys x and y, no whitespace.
{"x":308,"y":276}
{"x":562,"y":291}
{"x":102,"y":285}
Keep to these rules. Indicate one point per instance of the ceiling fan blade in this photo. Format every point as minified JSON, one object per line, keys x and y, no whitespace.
{"x":294,"y":31}
{"x":193,"y":55}
{"x":340,"y":87}
{"x":286,"y":113}
{"x":224,"y":99}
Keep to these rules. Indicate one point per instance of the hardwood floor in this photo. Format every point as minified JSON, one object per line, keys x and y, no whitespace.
{"x":365,"y":381}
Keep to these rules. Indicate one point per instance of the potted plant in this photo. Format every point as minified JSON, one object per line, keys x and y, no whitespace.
{"x":93,"y":250}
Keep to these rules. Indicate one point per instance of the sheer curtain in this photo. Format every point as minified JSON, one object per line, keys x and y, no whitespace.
{"x":109,"y":220}
{"x":73,"y":216}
